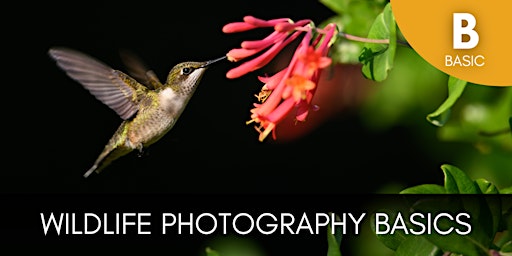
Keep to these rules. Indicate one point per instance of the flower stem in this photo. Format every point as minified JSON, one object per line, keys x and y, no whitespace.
{"x":370,"y":40}
{"x":363,"y":39}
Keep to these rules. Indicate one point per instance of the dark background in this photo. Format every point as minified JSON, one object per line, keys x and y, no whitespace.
{"x":54,"y":129}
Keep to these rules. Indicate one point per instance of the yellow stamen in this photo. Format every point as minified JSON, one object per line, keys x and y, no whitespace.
{"x":263,"y":95}
{"x":267,"y":131}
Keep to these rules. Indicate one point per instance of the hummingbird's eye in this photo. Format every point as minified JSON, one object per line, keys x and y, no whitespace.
{"x":186,"y":71}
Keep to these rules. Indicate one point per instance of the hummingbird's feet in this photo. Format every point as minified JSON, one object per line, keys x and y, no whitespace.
{"x":140,"y":148}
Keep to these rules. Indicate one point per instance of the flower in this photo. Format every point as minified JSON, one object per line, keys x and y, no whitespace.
{"x":294,"y":86}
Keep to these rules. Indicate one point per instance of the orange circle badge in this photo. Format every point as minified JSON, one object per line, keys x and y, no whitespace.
{"x":468,"y":39}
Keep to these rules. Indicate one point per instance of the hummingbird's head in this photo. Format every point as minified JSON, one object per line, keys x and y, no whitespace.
{"x":185,"y":76}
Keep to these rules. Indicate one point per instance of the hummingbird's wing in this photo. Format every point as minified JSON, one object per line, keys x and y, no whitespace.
{"x":112,"y":87}
{"x":139,"y":70}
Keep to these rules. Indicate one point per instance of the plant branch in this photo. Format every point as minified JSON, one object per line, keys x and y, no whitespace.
{"x":494,"y":133}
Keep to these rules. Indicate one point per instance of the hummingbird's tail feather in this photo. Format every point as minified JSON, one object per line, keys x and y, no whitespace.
{"x":116,"y":148}
{"x":109,"y":154}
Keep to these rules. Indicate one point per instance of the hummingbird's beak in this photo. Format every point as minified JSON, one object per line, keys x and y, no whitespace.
{"x":208,"y":63}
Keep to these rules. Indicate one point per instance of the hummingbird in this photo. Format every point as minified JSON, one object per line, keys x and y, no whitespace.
{"x":148,"y":108}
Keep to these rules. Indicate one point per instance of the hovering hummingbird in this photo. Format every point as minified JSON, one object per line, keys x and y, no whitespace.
{"x":149,"y":109}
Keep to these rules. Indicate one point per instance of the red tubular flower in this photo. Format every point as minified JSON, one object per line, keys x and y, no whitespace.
{"x":266,"y":42}
{"x":259,"y":61}
{"x":275,"y":117}
{"x":236,"y":27}
{"x":289,"y":26}
{"x":272,"y":82}
{"x":264,"y":23}
{"x":294,"y":86}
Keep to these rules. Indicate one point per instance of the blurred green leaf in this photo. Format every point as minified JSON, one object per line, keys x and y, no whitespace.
{"x":234,"y":245}
{"x":417,"y":245}
{"x":392,"y":241}
{"x":455,"y":89}
{"x":483,"y":116}
{"x":506,"y":190}
{"x":507,"y":247}
{"x":338,"y":232}
{"x":333,"y":242}
{"x":424,"y":189}
{"x":343,"y":51}
{"x":506,"y":239}
{"x":406,"y":96}
{"x":353,"y":17}
{"x":211,"y":252}
{"x":456,"y":181}
{"x":378,"y":59}
{"x":338,"y":6}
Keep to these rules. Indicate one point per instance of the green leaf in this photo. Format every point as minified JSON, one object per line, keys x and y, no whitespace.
{"x":485,"y":210}
{"x":475,"y":243}
{"x":455,"y":243}
{"x":455,"y":89}
{"x":486,"y":187}
{"x":417,"y":245}
{"x":333,"y":242}
{"x":490,"y":206}
{"x":424,"y":189}
{"x":457,"y":182}
{"x":378,"y":58}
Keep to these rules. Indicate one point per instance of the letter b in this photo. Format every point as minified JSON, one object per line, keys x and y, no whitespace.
{"x":459,"y":30}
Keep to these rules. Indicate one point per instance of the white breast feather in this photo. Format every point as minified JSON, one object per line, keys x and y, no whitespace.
{"x":170,"y":101}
